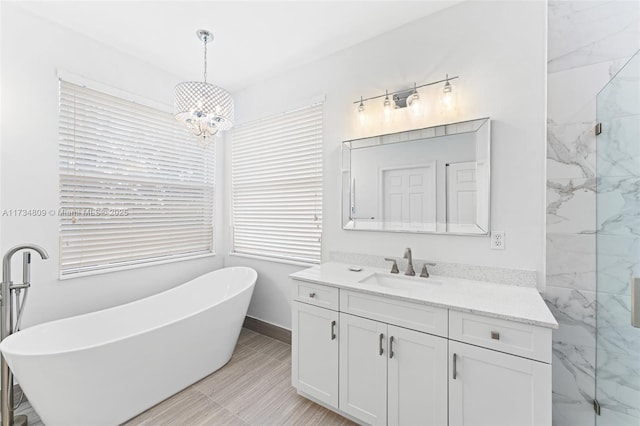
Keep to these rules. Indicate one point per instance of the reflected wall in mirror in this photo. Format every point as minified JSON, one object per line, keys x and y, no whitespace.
{"x":434,"y":180}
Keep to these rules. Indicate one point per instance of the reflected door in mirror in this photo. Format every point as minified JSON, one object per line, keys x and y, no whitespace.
{"x":409,"y":198}
{"x":461,"y":197}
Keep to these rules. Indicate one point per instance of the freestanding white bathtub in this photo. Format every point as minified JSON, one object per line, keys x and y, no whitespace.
{"x":105,"y":367}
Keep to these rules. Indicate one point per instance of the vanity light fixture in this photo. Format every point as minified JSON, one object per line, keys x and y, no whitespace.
{"x":202,"y":107}
{"x":408,"y":98}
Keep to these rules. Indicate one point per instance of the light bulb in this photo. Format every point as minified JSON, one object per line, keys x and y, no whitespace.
{"x":414,"y":102}
{"x":387,"y":108}
{"x":361,"y":114}
{"x":448,"y":98}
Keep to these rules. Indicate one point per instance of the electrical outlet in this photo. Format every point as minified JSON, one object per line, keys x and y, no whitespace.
{"x":497,"y":240}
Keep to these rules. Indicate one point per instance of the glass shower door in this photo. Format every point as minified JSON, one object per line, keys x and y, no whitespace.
{"x":618,"y":248}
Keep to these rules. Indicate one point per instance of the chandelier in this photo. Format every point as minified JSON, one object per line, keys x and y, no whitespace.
{"x":202,"y":107}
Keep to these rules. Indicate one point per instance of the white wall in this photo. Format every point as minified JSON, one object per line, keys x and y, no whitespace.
{"x":33,"y":51}
{"x":498,"y":50}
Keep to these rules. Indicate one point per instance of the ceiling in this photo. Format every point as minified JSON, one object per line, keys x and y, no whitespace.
{"x":254,"y":40}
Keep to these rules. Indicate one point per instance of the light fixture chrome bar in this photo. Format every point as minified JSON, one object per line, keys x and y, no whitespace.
{"x":405,"y":90}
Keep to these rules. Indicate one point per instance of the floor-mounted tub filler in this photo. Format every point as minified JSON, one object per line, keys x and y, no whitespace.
{"x":105,"y":367}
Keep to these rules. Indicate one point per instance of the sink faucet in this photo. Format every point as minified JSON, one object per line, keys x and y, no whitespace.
{"x":407,"y":255}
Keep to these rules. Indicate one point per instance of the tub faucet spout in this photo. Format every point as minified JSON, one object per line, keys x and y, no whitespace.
{"x":6,"y":260}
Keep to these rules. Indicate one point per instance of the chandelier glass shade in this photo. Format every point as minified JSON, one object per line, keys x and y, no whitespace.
{"x":203,"y":108}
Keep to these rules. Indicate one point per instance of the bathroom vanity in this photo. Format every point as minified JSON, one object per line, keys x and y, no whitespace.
{"x":384,"y":348}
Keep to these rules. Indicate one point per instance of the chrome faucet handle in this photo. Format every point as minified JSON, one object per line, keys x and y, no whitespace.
{"x":394,"y":268}
{"x":425,"y":273}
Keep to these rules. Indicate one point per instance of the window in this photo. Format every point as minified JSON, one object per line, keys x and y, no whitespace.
{"x":134,"y":186}
{"x":277,"y":186}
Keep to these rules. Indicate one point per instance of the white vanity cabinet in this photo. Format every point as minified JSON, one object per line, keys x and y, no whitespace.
{"x":500,"y":372}
{"x":488,"y":387}
{"x":363,"y":369}
{"x":382,"y":360}
{"x":391,"y":374}
{"x":314,"y":348}
{"x":416,"y":378}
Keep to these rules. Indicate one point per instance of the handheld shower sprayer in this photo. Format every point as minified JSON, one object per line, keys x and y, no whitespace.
{"x":26,"y":282}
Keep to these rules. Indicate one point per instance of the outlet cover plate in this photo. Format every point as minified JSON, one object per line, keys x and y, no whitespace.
{"x":497,"y":240}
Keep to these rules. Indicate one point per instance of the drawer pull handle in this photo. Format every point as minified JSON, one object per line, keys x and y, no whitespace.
{"x":333,"y":330}
{"x":495,"y":335}
{"x":312,"y":295}
{"x":390,"y":347}
{"x":455,"y":362}
{"x":381,"y":338}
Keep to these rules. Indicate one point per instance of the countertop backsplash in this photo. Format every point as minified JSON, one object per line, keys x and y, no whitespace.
{"x":516,"y":277}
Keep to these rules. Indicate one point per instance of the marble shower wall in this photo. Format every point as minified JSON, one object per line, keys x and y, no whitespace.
{"x":618,"y":247}
{"x":588,"y":42}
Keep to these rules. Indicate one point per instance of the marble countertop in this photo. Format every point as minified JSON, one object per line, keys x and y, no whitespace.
{"x":521,"y":304}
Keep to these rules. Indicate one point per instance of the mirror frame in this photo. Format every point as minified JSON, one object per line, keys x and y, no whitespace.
{"x":468,"y":126}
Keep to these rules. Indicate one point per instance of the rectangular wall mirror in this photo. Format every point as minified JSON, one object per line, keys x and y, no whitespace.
{"x":432,"y":180}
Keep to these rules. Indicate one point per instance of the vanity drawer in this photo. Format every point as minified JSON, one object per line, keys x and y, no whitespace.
{"x":415,"y":316}
{"x":525,"y":340}
{"x":316,"y":294}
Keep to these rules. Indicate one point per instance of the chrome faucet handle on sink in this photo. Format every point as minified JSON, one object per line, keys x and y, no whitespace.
{"x":394,"y":268}
{"x":425,"y":273}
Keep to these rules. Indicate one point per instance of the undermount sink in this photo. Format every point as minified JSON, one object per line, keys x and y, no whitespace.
{"x":399,"y":282}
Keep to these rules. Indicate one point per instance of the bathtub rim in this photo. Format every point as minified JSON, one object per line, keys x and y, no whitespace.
{"x":250,"y":285}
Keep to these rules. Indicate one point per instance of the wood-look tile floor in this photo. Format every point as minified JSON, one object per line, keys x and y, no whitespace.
{"x":254,"y":388}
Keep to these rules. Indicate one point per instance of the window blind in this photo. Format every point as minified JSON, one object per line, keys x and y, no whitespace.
{"x":277,"y":186}
{"x":134,"y":186}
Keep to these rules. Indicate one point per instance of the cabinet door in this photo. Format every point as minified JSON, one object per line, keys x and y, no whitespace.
{"x":314,"y":358}
{"x":417,"y":374}
{"x":493,"y":388}
{"x":363,"y":369}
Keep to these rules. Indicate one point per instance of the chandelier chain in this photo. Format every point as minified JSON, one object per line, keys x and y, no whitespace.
{"x":205,"y":60}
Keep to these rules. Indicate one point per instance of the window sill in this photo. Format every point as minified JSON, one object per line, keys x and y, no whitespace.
{"x":275,"y":260}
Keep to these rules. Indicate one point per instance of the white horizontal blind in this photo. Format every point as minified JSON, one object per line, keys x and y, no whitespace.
{"x":277,"y":186}
{"x":135,"y":187}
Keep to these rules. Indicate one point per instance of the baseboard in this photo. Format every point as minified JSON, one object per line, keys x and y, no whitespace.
{"x":329,"y":407}
{"x":268,"y":329}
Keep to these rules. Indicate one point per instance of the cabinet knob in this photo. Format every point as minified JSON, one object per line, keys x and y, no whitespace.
{"x":495,"y":335}
{"x":312,"y":295}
